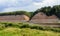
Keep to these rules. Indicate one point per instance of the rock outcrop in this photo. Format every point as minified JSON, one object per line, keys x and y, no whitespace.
{"x":43,"y":18}
{"x":14,"y":18}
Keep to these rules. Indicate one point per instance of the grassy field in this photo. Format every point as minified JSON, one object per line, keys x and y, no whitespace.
{"x":26,"y":32}
{"x":25,"y":29}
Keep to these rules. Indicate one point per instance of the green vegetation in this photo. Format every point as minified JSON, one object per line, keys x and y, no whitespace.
{"x":55,"y":10}
{"x":26,"y":32}
{"x":17,"y":13}
{"x":27,"y":25}
{"x":26,"y":29}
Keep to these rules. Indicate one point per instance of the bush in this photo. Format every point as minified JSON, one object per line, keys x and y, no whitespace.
{"x":25,"y":25}
{"x":37,"y":27}
{"x":2,"y":26}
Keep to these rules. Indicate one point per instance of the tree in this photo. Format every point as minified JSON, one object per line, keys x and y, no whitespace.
{"x":55,"y":10}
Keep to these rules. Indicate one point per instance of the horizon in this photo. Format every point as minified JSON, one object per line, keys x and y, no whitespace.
{"x":26,"y":5}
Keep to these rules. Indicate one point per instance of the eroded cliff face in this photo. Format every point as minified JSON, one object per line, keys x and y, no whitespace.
{"x":13,"y":18}
{"x":42,"y":18}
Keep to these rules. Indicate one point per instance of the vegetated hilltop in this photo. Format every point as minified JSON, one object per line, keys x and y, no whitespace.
{"x":15,"y":16}
{"x":49,"y":11}
{"x":17,"y":13}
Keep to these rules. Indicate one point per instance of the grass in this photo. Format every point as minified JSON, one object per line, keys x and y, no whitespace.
{"x":26,"y":29}
{"x":26,"y":32}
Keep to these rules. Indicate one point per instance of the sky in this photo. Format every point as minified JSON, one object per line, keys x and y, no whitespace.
{"x":26,"y":5}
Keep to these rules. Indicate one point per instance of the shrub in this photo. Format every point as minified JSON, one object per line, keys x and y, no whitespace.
{"x":25,"y":26}
{"x":2,"y":26}
{"x":37,"y":27}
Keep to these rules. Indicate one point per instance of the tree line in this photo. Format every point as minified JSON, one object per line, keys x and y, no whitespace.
{"x":17,"y":13}
{"x":55,"y":10}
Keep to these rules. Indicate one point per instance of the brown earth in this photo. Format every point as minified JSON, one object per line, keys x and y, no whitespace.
{"x":14,"y":18}
{"x":43,"y":18}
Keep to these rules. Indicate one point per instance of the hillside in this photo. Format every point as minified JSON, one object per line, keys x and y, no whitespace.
{"x":49,"y":11}
{"x":13,"y":18}
{"x":43,"y":18}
